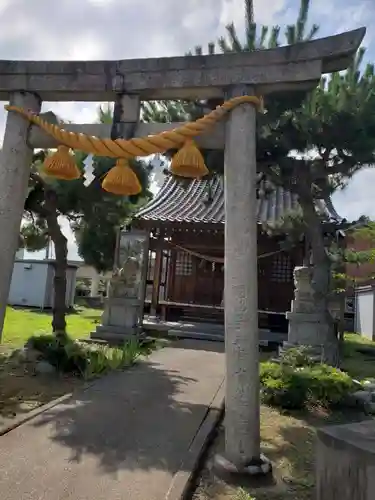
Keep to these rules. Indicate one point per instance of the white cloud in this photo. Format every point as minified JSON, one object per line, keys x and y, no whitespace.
{"x":358,"y":198}
{"x":352,"y":14}
{"x":77,"y":112}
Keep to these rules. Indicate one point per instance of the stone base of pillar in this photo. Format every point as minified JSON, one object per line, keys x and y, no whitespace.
{"x":258,"y":471}
{"x":120,"y":321}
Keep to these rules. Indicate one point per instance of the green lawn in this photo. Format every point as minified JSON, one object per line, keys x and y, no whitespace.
{"x":20,"y":324}
{"x":358,"y":356}
{"x":20,"y":392}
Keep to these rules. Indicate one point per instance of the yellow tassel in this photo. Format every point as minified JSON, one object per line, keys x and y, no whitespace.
{"x":61,"y":165}
{"x":122,"y":180}
{"x":189,"y":162}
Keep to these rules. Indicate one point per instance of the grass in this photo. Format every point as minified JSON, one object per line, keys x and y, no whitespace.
{"x":288,"y":440}
{"x":20,"y":391}
{"x":358,"y":356}
{"x":20,"y":324}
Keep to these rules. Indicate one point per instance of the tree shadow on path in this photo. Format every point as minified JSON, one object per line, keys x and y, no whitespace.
{"x":144,"y":418}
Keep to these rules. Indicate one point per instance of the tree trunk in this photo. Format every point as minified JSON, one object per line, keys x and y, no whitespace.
{"x":59,"y":281}
{"x":341,"y":325}
{"x":342,"y":302}
{"x":321,"y":281}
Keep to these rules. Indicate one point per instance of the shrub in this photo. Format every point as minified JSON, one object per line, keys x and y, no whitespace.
{"x":86,"y":360}
{"x":297,"y":357}
{"x":292,"y":387}
{"x":62,"y":352}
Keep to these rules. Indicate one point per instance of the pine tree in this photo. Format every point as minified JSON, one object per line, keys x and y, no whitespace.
{"x":94,"y":215}
{"x":310,"y":145}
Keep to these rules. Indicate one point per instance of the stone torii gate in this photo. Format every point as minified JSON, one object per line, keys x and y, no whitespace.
{"x":298,"y":67}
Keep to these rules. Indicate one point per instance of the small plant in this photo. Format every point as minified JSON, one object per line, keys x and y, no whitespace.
{"x":86,"y":360}
{"x":101,"y":359}
{"x":297,"y":357}
{"x":243,"y":495}
{"x":96,"y":363}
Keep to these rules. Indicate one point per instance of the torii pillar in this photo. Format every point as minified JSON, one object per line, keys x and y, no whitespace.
{"x":242,"y":403}
{"x":290,"y":68}
{"x":241,"y":283}
{"x":15,"y":161}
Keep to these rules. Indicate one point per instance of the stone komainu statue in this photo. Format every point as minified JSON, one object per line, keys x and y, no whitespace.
{"x":125,"y":280}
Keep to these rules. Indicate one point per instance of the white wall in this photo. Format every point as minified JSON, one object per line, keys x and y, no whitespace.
{"x":365,"y":311}
{"x":28,"y":285}
{"x":32,"y":284}
{"x":87,"y":272}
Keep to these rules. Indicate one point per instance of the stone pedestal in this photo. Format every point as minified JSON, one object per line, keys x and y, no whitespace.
{"x":120,"y":320}
{"x":123,"y":309}
{"x":307,"y":325}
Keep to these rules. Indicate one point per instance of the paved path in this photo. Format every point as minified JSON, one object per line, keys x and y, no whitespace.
{"x":125,"y":437}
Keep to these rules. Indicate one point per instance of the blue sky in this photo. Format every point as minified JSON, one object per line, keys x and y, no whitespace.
{"x":120,"y":29}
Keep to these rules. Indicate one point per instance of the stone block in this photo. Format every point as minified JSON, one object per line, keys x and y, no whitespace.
{"x":115,"y":335}
{"x":363,"y":396}
{"x":345,"y":462}
{"x":306,"y":328}
{"x":120,"y":320}
{"x":44,"y":368}
{"x":121,"y":312}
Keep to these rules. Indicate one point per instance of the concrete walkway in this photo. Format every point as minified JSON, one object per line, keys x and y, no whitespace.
{"x":125,"y":437}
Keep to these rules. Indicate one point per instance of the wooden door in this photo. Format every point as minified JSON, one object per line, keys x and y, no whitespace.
{"x":209,"y":285}
{"x":264,"y":273}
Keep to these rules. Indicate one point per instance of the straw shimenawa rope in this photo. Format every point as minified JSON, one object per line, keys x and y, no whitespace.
{"x":217,"y":260}
{"x":188,"y":161}
{"x":142,"y":146}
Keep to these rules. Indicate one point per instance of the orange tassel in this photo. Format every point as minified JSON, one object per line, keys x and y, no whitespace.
{"x":188,"y":162}
{"x":62,"y":165}
{"x":122,"y":180}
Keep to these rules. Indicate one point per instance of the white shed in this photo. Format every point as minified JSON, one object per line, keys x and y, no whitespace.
{"x":364,"y":316}
{"x":32,"y":284}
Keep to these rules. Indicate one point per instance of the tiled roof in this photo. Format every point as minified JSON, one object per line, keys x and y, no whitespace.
{"x":176,"y":203}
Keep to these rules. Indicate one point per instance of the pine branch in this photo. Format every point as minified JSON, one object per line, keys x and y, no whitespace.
{"x":234,"y":41}
{"x":223,"y":45}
